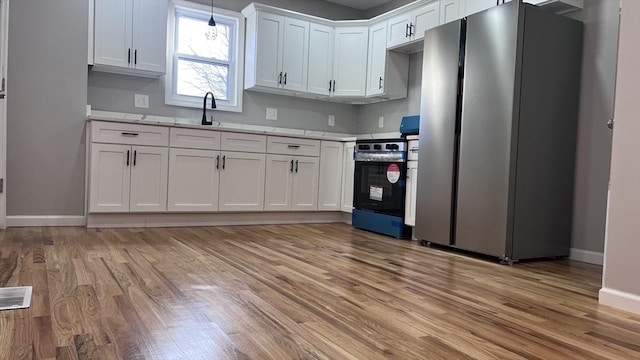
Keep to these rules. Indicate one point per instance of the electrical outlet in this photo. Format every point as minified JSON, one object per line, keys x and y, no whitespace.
{"x":332,"y":120}
{"x":272,"y":114}
{"x":141,"y":101}
{"x":381,"y":121}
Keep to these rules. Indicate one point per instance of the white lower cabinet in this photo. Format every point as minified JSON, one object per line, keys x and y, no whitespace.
{"x":128,"y":178}
{"x":410,"y":196}
{"x":241,"y":181}
{"x":291,"y":183}
{"x":330,"y":184}
{"x":348,"y":170}
{"x":194,"y":180}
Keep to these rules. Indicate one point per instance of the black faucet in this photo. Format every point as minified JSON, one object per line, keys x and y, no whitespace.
{"x":204,"y":108}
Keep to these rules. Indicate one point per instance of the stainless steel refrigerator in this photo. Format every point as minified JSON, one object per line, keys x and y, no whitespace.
{"x":499,"y":109}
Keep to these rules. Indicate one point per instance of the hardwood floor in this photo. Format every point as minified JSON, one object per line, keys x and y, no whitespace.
{"x":294,"y":292}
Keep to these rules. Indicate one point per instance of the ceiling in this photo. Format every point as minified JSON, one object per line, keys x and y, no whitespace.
{"x":360,"y":4}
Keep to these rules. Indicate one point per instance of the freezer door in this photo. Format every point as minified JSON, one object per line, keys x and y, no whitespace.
{"x":485,"y":140}
{"x":437,"y":133}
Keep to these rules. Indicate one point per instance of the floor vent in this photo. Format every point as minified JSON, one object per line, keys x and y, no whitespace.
{"x":15,"y":297}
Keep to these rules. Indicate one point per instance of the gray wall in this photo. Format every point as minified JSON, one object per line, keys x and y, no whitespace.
{"x":394,"y":110}
{"x":115,"y":92}
{"x":47,"y":96}
{"x":594,"y":138}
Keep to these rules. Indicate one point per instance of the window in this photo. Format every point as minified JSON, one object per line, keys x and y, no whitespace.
{"x":204,"y":58}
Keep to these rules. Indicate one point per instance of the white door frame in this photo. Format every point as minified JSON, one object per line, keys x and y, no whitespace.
{"x":4,"y":40}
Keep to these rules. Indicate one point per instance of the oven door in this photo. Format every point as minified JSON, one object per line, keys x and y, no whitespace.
{"x":380,"y":187}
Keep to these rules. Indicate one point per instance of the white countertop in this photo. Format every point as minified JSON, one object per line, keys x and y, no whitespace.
{"x":225,"y":126}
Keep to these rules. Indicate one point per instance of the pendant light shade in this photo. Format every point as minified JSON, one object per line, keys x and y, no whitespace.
{"x":212,"y":33}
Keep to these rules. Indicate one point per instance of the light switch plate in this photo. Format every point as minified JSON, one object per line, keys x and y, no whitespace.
{"x":332,"y":120}
{"x":272,"y":114}
{"x":141,"y":101}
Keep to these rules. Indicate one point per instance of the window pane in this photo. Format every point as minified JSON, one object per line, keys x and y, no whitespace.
{"x":196,"y":78}
{"x":195,"y":38}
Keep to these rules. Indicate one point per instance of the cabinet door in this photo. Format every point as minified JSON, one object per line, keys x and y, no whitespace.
{"x":330,"y":183}
{"x":377,"y":59}
{"x":425,"y":18}
{"x":348,"y":169}
{"x":269,"y":47}
{"x":474,"y":6}
{"x":450,"y":10}
{"x":305,"y":183}
{"x":399,"y":29}
{"x":320,"y":59}
{"x":149,"y":35}
{"x":278,"y":182}
{"x":149,"y":172}
{"x":109,"y":178}
{"x":350,"y":57}
{"x":242,"y":182}
{"x":295,"y":58}
{"x":113,"y":32}
{"x":410,"y":196}
{"x":193,"y":180}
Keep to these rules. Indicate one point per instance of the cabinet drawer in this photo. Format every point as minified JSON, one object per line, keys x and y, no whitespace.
{"x":130,"y":134}
{"x":292,"y":146}
{"x":243,"y":142}
{"x":195,"y":139}
{"x":412,"y":150}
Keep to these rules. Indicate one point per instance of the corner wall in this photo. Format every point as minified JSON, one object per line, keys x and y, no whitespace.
{"x":600,"y":53}
{"x":621,"y":278}
{"x":46,"y":107}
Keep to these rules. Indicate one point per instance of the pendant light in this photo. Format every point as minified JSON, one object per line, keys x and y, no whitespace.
{"x":212,"y":32}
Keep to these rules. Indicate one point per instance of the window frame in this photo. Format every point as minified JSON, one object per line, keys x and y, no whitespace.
{"x":236,"y":57}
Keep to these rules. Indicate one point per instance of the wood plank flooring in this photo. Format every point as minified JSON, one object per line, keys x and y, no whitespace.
{"x":294,"y":292}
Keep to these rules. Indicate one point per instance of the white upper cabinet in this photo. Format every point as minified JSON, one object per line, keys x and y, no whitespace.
{"x":387,"y":72}
{"x":320,"y":59}
{"x":279,"y":55}
{"x":130,"y":36}
{"x":295,"y":57}
{"x":474,"y":6}
{"x":350,"y":59}
{"x":450,"y":10}
{"x":411,"y":25}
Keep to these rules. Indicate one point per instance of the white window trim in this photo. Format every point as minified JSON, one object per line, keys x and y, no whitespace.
{"x":237,"y":75}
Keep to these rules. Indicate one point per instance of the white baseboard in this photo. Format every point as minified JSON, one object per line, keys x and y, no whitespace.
{"x":45,"y":220}
{"x":210,"y":219}
{"x":591,"y":257}
{"x":620,"y":300}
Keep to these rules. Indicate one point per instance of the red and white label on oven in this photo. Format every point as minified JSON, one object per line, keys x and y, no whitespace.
{"x":393,"y":173}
